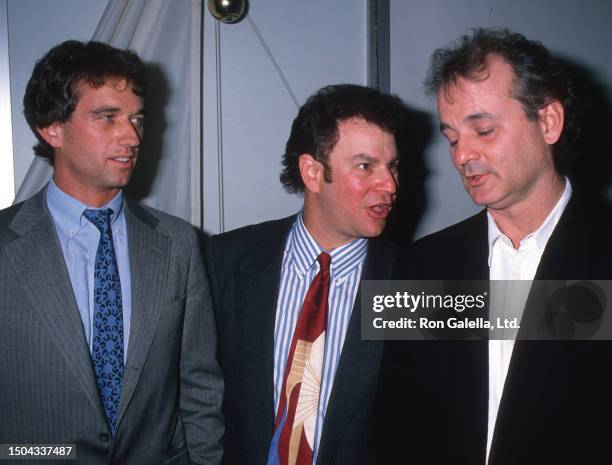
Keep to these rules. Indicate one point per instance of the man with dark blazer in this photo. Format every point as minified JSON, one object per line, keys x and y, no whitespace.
{"x":107,"y":334}
{"x":505,"y":106}
{"x":342,"y":156}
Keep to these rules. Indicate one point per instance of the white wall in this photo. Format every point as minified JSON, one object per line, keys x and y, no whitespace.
{"x":316,"y":43}
{"x":7,"y":184}
{"x":577,"y":30}
{"x":34,"y":26}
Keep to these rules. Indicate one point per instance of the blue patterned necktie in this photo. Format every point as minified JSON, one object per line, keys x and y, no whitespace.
{"x":107,"y":338}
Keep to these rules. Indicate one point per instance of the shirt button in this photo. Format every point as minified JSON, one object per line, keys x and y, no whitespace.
{"x":104,"y":437}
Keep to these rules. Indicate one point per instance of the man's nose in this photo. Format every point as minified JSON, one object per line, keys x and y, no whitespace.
{"x":130,"y":135}
{"x":463,"y":152}
{"x":389,"y":181}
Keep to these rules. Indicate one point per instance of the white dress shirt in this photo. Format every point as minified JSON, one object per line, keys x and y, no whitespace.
{"x":509,"y":264}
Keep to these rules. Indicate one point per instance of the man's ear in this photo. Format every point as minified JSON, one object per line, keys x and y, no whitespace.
{"x":311,"y":171}
{"x":550,"y":118}
{"x":53,"y":135}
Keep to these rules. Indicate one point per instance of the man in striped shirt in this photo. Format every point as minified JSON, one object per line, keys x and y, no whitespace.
{"x":342,"y":156}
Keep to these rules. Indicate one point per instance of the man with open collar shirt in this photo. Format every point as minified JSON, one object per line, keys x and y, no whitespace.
{"x":506,"y":108}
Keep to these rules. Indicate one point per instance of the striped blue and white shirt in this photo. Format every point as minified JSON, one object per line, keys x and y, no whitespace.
{"x":299,"y":268}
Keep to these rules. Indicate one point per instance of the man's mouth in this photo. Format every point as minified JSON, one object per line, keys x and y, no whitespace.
{"x":380,"y":210}
{"x":126,"y":160}
{"x":476,"y":180}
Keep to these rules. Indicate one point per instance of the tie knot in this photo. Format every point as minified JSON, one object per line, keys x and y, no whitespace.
{"x":324,"y":260}
{"x":99,"y":218}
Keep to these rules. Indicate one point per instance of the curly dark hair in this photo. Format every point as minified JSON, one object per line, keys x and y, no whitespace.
{"x":539,"y":77}
{"x":315,"y":129}
{"x":52,"y":91}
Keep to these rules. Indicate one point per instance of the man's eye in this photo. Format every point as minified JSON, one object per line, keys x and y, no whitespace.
{"x":452,"y":142}
{"x":364,"y":166}
{"x":107,"y":117}
{"x":393,"y":166}
{"x":485,"y":132}
{"x":137,"y":121}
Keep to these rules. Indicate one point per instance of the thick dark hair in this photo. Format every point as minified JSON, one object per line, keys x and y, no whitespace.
{"x":52,"y":91}
{"x":539,"y":77}
{"x":315,"y":129}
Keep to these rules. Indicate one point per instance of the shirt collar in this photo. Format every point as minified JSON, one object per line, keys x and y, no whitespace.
{"x":68,"y":211}
{"x":304,"y":250}
{"x":542,"y":234}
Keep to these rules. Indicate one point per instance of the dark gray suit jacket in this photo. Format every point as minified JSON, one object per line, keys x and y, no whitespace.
{"x":556,"y":406}
{"x":245,"y":268}
{"x":169,"y":411}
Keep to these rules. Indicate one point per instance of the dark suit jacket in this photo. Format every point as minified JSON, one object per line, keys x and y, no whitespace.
{"x":556,"y":406}
{"x":169,"y":411}
{"x":245,"y":268}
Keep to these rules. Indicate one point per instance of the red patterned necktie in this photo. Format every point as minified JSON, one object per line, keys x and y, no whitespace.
{"x":299,"y":400}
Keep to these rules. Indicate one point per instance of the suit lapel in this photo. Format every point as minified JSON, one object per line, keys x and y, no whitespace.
{"x":359,"y":363}
{"x":476,"y":259}
{"x":149,"y":253}
{"x":566,"y":255}
{"x":256,"y":334}
{"x":38,"y":257}
{"x":257,"y":287}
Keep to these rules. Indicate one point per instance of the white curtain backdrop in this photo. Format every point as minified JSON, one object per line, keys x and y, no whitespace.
{"x":166,"y":35}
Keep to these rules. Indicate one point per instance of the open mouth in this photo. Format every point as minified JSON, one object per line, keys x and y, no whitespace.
{"x":380,"y":210}
{"x":476,"y":180}
{"x":125,"y":161}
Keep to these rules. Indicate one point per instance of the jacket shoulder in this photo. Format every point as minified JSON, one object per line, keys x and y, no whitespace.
{"x":253,"y":242}
{"x":255,"y":235}
{"x":455,"y":252}
{"x":176,"y":229}
{"x":7,"y":215}
{"x":466,"y":230}
{"x":150,"y":214}
{"x":14,"y":220}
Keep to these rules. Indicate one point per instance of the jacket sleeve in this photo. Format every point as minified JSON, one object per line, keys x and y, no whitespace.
{"x":201,"y":392}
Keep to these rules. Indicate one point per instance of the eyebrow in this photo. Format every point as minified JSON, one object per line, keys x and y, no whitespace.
{"x":364,"y":157}
{"x":468,"y":118}
{"x":479,"y":116}
{"x":98,"y":110}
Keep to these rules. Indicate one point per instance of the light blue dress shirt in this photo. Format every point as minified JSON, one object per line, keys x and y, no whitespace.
{"x":79,"y":241}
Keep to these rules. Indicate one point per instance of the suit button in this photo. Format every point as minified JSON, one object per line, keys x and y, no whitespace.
{"x":104,"y":437}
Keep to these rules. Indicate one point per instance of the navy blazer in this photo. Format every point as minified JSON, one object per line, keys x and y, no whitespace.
{"x":556,"y":406}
